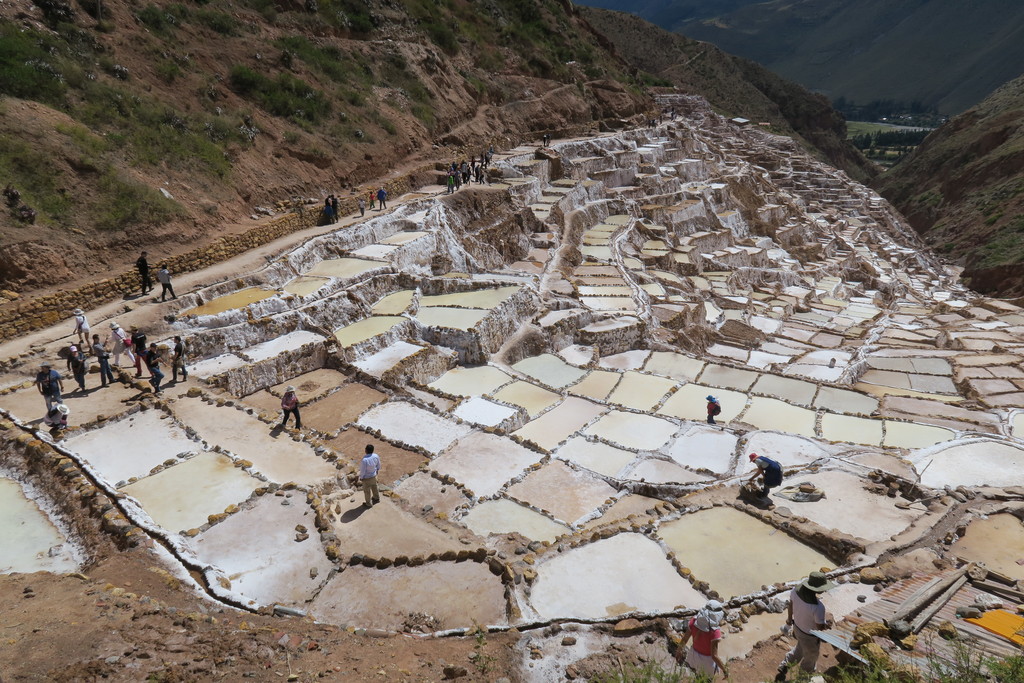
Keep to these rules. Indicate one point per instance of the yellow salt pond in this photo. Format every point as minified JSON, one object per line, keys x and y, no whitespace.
{"x":304,"y":285}
{"x":481,"y":298}
{"x":453,"y":318}
{"x":228,"y":302}
{"x":344,"y":267}
{"x":532,"y":398}
{"x":394,"y":303}
{"x":597,"y":384}
{"x":366,"y":328}
{"x":640,"y":391}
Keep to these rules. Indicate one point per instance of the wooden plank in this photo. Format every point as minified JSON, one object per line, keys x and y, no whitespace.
{"x":920,"y":599}
{"x":939,"y":602}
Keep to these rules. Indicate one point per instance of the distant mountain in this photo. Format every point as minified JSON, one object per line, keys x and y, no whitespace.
{"x":947,"y":54}
{"x":963,"y":190}
{"x":733,"y":85}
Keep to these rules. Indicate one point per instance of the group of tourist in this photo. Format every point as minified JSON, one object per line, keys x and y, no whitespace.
{"x":163,"y":276}
{"x":474,"y":170}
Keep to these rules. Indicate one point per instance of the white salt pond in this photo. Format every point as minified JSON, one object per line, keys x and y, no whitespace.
{"x":597,"y":385}
{"x":470,"y":381}
{"x":674,"y":365}
{"x":641,"y":392}
{"x":567,"y":494}
{"x":595,"y":456}
{"x":403,"y":422}
{"x":550,"y":370}
{"x":625,"y":573}
{"x":452,"y":318}
{"x":658,"y":471}
{"x":690,"y":403}
{"x":366,"y":328}
{"x":30,"y":541}
{"x":532,"y":398}
{"x":559,"y":423}
{"x":344,"y":267}
{"x":975,"y":463}
{"x":211,"y":367}
{"x":278,"y":345}
{"x":379,"y":363}
{"x":481,"y":298}
{"x":632,"y":430}
{"x":705,"y":448}
{"x":736,"y":553}
{"x":108,"y":448}
{"x":256,"y":550}
{"x":504,"y":516}
{"x":484,"y":462}
{"x":771,"y":413}
{"x":787,"y":449}
{"x":202,"y":486}
{"x":483,"y":412}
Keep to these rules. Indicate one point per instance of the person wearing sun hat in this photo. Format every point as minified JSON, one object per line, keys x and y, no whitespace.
{"x":705,"y":633}
{"x":81,"y":326}
{"x":290,"y":406}
{"x":806,"y":613}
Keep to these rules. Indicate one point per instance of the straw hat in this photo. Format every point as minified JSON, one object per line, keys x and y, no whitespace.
{"x":78,"y":311}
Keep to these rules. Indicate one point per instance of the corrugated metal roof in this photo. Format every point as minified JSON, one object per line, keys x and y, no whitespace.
{"x":929,"y":645}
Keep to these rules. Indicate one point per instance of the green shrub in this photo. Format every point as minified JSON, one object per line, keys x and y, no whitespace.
{"x":127,"y":204}
{"x":285,"y":95}
{"x":29,"y":66}
{"x":220,"y":22}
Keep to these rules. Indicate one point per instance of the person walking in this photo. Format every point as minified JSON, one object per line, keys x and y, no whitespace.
{"x":76,"y":366}
{"x":153,"y":358}
{"x":362,"y":207}
{"x":806,"y":613}
{"x":770,"y":472}
{"x":451,"y":182}
{"x":81,"y":326}
{"x":163,"y":276}
{"x":120,"y":344}
{"x":369,"y":467}
{"x":50,"y":384}
{"x":139,"y":347}
{"x":290,"y":406}
{"x":705,"y":634}
{"x":382,"y":198}
{"x":142,"y":265}
{"x":373,"y":198}
{"x":99,"y":349}
{"x":334,"y":208}
{"x":714,"y":409}
{"x":178,"y":360}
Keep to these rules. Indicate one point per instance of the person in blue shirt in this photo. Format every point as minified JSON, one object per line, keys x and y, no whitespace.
{"x":49,"y":384}
{"x":769,"y":470}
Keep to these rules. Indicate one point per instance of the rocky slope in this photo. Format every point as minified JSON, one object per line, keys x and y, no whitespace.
{"x":735,"y":86}
{"x":963,"y":189}
{"x":130,"y":125}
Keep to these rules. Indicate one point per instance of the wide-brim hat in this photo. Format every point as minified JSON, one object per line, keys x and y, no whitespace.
{"x":114,"y":326}
{"x":78,"y":311}
{"x":710,"y":398}
{"x":46,"y":364}
{"x":63,"y":409}
{"x":817,"y":582}
{"x":289,"y":388}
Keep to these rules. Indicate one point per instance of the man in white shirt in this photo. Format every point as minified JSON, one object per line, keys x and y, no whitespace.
{"x":369,"y":466}
{"x":806,"y":613}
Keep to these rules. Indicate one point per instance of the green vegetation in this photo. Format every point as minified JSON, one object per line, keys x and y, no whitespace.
{"x":885,"y":144}
{"x":284,"y":95}
{"x":28,"y":65}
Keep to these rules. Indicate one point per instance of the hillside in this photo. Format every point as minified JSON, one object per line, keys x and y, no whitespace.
{"x":946,"y":54}
{"x":162,"y":125}
{"x":735,"y":86}
{"x":963,"y":190}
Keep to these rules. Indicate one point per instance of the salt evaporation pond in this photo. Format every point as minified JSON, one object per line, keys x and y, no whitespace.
{"x":736,"y":553}
{"x":978,"y":463}
{"x":305,"y":285}
{"x":550,"y":370}
{"x":595,"y":456}
{"x":27,"y":535}
{"x":451,"y":318}
{"x":366,"y":328}
{"x":228,"y":302}
{"x":503,"y":516}
{"x":998,"y":541}
{"x":395,"y":303}
{"x":481,"y":298}
{"x":633,"y":430}
{"x":343,"y":267}
{"x":625,"y":573}
{"x":470,"y":381}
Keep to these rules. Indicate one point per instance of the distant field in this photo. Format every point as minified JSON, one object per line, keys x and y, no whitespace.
{"x":870,"y":127}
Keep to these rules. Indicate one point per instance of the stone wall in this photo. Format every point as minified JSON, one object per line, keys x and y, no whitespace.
{"x":21,"y":317}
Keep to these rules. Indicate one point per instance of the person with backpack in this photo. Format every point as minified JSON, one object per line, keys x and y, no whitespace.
{"x":152,"y":357}
{"x":704,"y":633}
{"x":142,"y":265}
{"x":50,"y":384}
{"x":714,"y":409}
{"x":121,"y":344}
{"x":77,"y":366}
{"x":769,"y":470}
{"x":99,"y":349}
{"x":362,"y":207}
{"x":382,"y":198}
{"x":289,"y":407}
{"x":81,"y":326}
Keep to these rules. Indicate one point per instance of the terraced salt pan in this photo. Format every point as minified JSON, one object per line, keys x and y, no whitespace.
{"x":182,"y":497}
{"x":559,"y":423}
{"x":975,"y":463}
{"x":386,"y":530}
{"x":789,"y":390}
{"x":609,"y":303}
{"x":595,"y":456}
{"x":850,"y":508}
{"x":550,"y":370}
{"x":913,"y":435}
{"x":304,"y":285}
{"x":851,"y":429}
{"x":403,"y":422}
{"x":503,"y":516}
{"x":451,"y":318}
{"x":106,"y":449}
{"x":229,"y":302}
{"x":789,"y":450}
{"x":627,"y":360}
{"x":532,"y":398}
{"x":770,"y":413}
{"x":727,"y":378}
{"x":706,"y":448}
{"x":256,"y":550}
{"x":278,"y":345}
{"x":27,"y":535}
{"x":401,"y":238}
{"x":566,"y":493}
{"x":481,"y":298}
{"x":331,"y":413}
{"x":631,"y":430}
{"x":597,"y":385}
{"x":998,"y":541}
{"x":379,"y":363}
{"x":658,"y":471}
{"x":470,"y":381}
{"x":844,"y":401}
{"x":641,"y":392}
{"x":459,"y":594}
{"x":216,"y":365}
{"x":483,"y":412}
{"x":484,"y":462}
{"x":674,"y":365}
{"x":344,"y":267}
{"x":736,"y":553}
{"x":367,"y":328}
{"x":690,"y":403}
{"x":278,"y":458}
{"x":625,"y":573}
{"x":395,"y":303}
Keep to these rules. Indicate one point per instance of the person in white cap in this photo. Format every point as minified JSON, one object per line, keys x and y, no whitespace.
{"x":57,"y":417}
{"x":81,"y":326}
{"x":806,"y":613}
{"x":121,"y":343}
{"x":703,"y":631}
{"x":290,"y":406}
{"x":77,"y":365}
